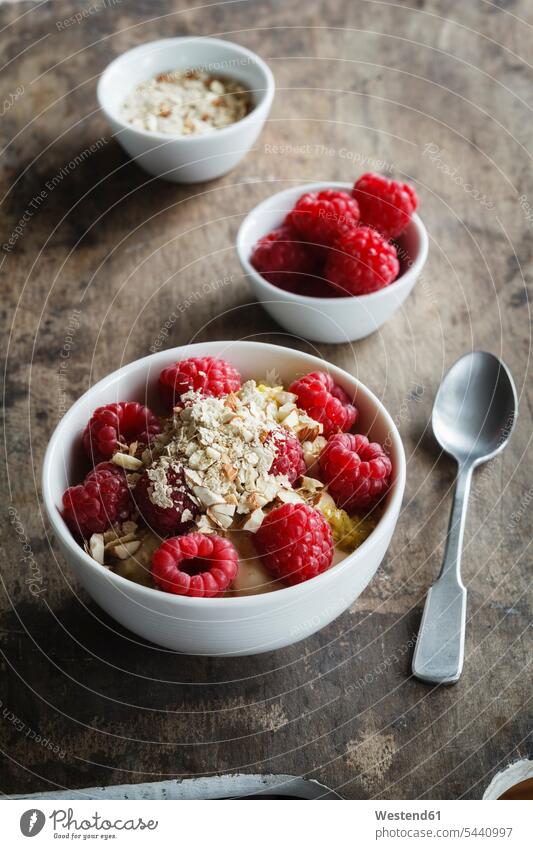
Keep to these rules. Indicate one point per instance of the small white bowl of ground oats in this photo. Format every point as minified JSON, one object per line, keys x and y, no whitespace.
{"x":187,"y":109}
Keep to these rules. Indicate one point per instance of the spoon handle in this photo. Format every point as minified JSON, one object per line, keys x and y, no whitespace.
{"x":439,"y":651}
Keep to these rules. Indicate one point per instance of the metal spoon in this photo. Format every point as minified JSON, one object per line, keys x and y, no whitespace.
{"x":473,"y":416}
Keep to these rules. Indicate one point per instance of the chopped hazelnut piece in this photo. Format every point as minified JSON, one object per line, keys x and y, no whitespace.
{"x":126,"y":549}
{"x":126,"y":461}
{"x":96,"y":548}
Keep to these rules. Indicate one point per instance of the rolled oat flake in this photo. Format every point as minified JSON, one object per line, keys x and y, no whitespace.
{"x":185,"y":103}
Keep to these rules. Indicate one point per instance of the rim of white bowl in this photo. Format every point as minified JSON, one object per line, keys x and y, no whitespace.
{"x":393,"y":498}
{"x":508,"y":777}
{"x":267,"y":96}
{"x":404,"y":279}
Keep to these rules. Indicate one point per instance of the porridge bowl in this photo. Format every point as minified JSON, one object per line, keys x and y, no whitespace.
{"x":236,"y":624}
{"x":196,"y":157}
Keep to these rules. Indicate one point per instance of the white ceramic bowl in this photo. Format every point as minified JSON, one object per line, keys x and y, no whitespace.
{"x":333,"y":320}
{"x":509,"y":777}
{"x":225,"y":626}
{"x":188,"y":159}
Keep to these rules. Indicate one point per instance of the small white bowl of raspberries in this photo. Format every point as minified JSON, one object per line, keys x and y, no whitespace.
{"x":225,"y":498}
{"x":332,"y":262}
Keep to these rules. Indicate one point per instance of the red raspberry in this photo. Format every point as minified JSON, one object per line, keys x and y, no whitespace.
{"x":207,"y":375}
{"x":200,"y":565}
{"x":101,"y":500}
{"x":357,"y":472}
{"x":295,"y":543}
{"x":320,"y":217}
{"x":310,"y":286}
{"x":289,"y":459}
{"x":165,"y":520}
{"x":362,"y":262}
{"x":124,"y":423}
{"x":284,"y":260}
{"x":316,"y":287}
{"x":385,"y":204}
{"x":325,"y":401}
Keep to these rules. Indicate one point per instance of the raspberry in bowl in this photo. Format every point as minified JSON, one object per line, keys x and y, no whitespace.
{"x":229,"y":530}
{"x":316,"y":259}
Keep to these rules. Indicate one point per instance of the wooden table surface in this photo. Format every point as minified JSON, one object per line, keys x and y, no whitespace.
{"x":435,"y":92}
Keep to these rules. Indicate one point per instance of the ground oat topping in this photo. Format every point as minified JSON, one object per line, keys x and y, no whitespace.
{"x":226,"y":447}
{"x":183,"y":103}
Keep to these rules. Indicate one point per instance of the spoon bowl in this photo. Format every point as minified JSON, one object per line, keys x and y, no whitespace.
{"x":475,"y":408}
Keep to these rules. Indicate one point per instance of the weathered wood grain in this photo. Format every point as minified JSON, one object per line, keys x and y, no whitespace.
{"x":436,"y":92}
